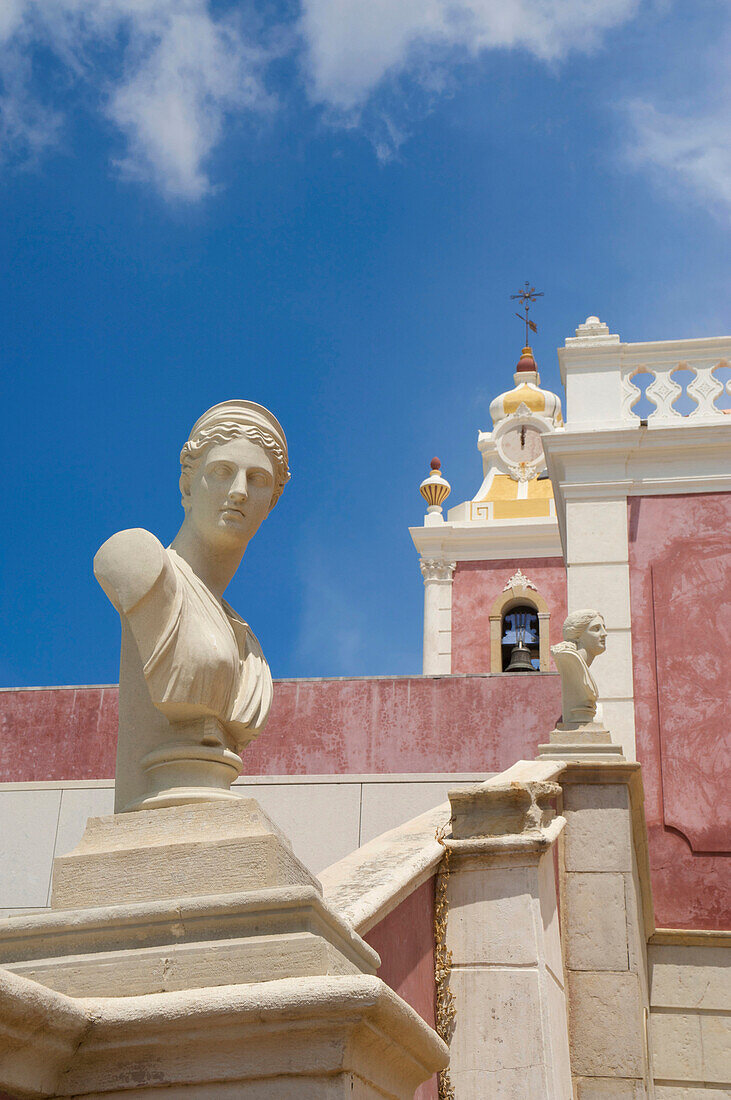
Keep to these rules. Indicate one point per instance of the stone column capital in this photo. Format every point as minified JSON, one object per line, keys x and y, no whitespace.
{"x":437,"y":569}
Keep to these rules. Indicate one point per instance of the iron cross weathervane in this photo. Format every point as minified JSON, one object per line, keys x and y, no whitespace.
{"x":526,"y":296}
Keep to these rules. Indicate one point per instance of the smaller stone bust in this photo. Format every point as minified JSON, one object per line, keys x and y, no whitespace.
{"x":585,"y":637}
{"x":195,"y":687}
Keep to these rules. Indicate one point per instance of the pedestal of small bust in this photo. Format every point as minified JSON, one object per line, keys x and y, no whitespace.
{"x":209,"y":962}
{"x":196,"y":766}
{"x":581,"y":741}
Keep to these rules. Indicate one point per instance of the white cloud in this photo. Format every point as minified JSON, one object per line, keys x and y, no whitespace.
{"x":178,"y":72}
{"x":27,"y":127}
{"x":353,"y":45}
{"x":172,"y":104}
{"x":170,"y":74}
{"x":694,"y":151}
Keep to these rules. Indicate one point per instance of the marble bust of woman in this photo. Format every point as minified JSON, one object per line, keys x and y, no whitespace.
{"x":195,"y":687}
{"x":585,"y":637}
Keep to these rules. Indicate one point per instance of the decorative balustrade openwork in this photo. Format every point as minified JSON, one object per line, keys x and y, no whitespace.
{"x":670,"y":392}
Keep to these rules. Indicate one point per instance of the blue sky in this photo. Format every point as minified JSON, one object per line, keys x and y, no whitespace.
{"x":323,"y":207}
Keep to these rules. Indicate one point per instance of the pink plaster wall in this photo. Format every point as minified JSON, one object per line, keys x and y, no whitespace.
{"x":476,"y":586}
{"x":680,"y":584}
{"x":405,"y":941}
{"x":377,"y":726}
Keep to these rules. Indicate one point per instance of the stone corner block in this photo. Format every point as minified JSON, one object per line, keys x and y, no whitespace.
{"x":596,"y":924}
{"x":605,"y":1032}
{"x":598,"y":834}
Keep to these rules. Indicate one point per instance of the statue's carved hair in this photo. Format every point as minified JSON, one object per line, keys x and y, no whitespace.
{"x":577,"y":622}
{"x":223,"y":432}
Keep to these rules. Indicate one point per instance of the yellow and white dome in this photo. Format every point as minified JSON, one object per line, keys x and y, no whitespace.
{"x":527,"y":391}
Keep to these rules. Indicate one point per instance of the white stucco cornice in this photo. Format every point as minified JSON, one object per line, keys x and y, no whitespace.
{"x":615,"y":463}
{"x":493,"y":541}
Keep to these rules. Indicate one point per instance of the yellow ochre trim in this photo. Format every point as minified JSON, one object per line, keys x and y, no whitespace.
{"x":521,"y":509}
{"x":502,"y":487}
{"x":540,"y":490}
{"x":527,"y":395}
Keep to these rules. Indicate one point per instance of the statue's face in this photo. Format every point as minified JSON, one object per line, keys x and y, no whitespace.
{"x":230,"y":491}
{"x":594,"y":638}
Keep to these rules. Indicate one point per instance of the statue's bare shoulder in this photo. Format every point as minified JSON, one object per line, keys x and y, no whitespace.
{"x":129,"y":565}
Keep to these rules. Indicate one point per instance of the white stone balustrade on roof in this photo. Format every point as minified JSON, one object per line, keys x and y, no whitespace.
{"x":667,"y":382}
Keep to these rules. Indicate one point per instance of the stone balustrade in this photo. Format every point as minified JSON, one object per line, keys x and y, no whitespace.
{"x":612,"y":384}
{"x":677,"y":390}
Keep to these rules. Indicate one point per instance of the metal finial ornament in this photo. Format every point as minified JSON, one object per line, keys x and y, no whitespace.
{"x":435,"y":489}
{"x":526,"y":296}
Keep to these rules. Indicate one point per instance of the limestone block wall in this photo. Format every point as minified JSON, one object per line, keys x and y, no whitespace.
{"x":690,"y":1016}
{"x":326,"y":817}
{"x":604,"y":926}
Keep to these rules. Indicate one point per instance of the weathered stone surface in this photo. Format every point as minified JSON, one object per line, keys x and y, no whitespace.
{"x":498,"y":1025}
{"x":677,"y":1054}
{"x":596,"y":925}
{"x":555,"y":1021}
{"x":609,"y":1088}
{"x":153,"y":947}
{"x":507,"y":1084}
{"x":549,"y":917}
{"x":180,"y":851}
{"x":39,"y":1032}
{"x":492,"y":916}
{"x":598,"y":833}
{"x":502,"y":930}
{"x":604,"y":1010}
{"x":301,"y":1039}
{"x":716,"y":1042}
{"x":689,"y":976}
{"x":689,"y":1092}
{"x":511,"y":808}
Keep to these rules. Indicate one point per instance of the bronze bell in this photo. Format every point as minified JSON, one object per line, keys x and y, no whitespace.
{"x":520,"y":659}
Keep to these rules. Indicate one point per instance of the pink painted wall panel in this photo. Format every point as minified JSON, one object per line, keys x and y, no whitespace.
{"x":379,"y":726}
{"x":405,"y":941}
{"x":58,"y":733}
{"x":680,"y":583}
{"x":476,"y":586}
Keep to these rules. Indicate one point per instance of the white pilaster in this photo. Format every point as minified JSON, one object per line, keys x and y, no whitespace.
{"x":597,"y":563}
{"x":438,"y":575}
{"x":609,"y":452}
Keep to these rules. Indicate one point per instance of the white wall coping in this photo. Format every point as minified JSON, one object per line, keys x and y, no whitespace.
{"x":266,"y":780}
{"x":367,"y":885}
{"x":384,"y":677}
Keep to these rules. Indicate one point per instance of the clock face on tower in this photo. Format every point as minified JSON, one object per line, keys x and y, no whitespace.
{"x":522,"y":444}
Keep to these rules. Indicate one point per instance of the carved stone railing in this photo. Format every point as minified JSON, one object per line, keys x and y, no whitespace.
{"x":668,"y":383}
{"x":672,"y":392}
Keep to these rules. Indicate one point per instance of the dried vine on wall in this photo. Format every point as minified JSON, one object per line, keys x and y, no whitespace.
{"x":445,"y":1002}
